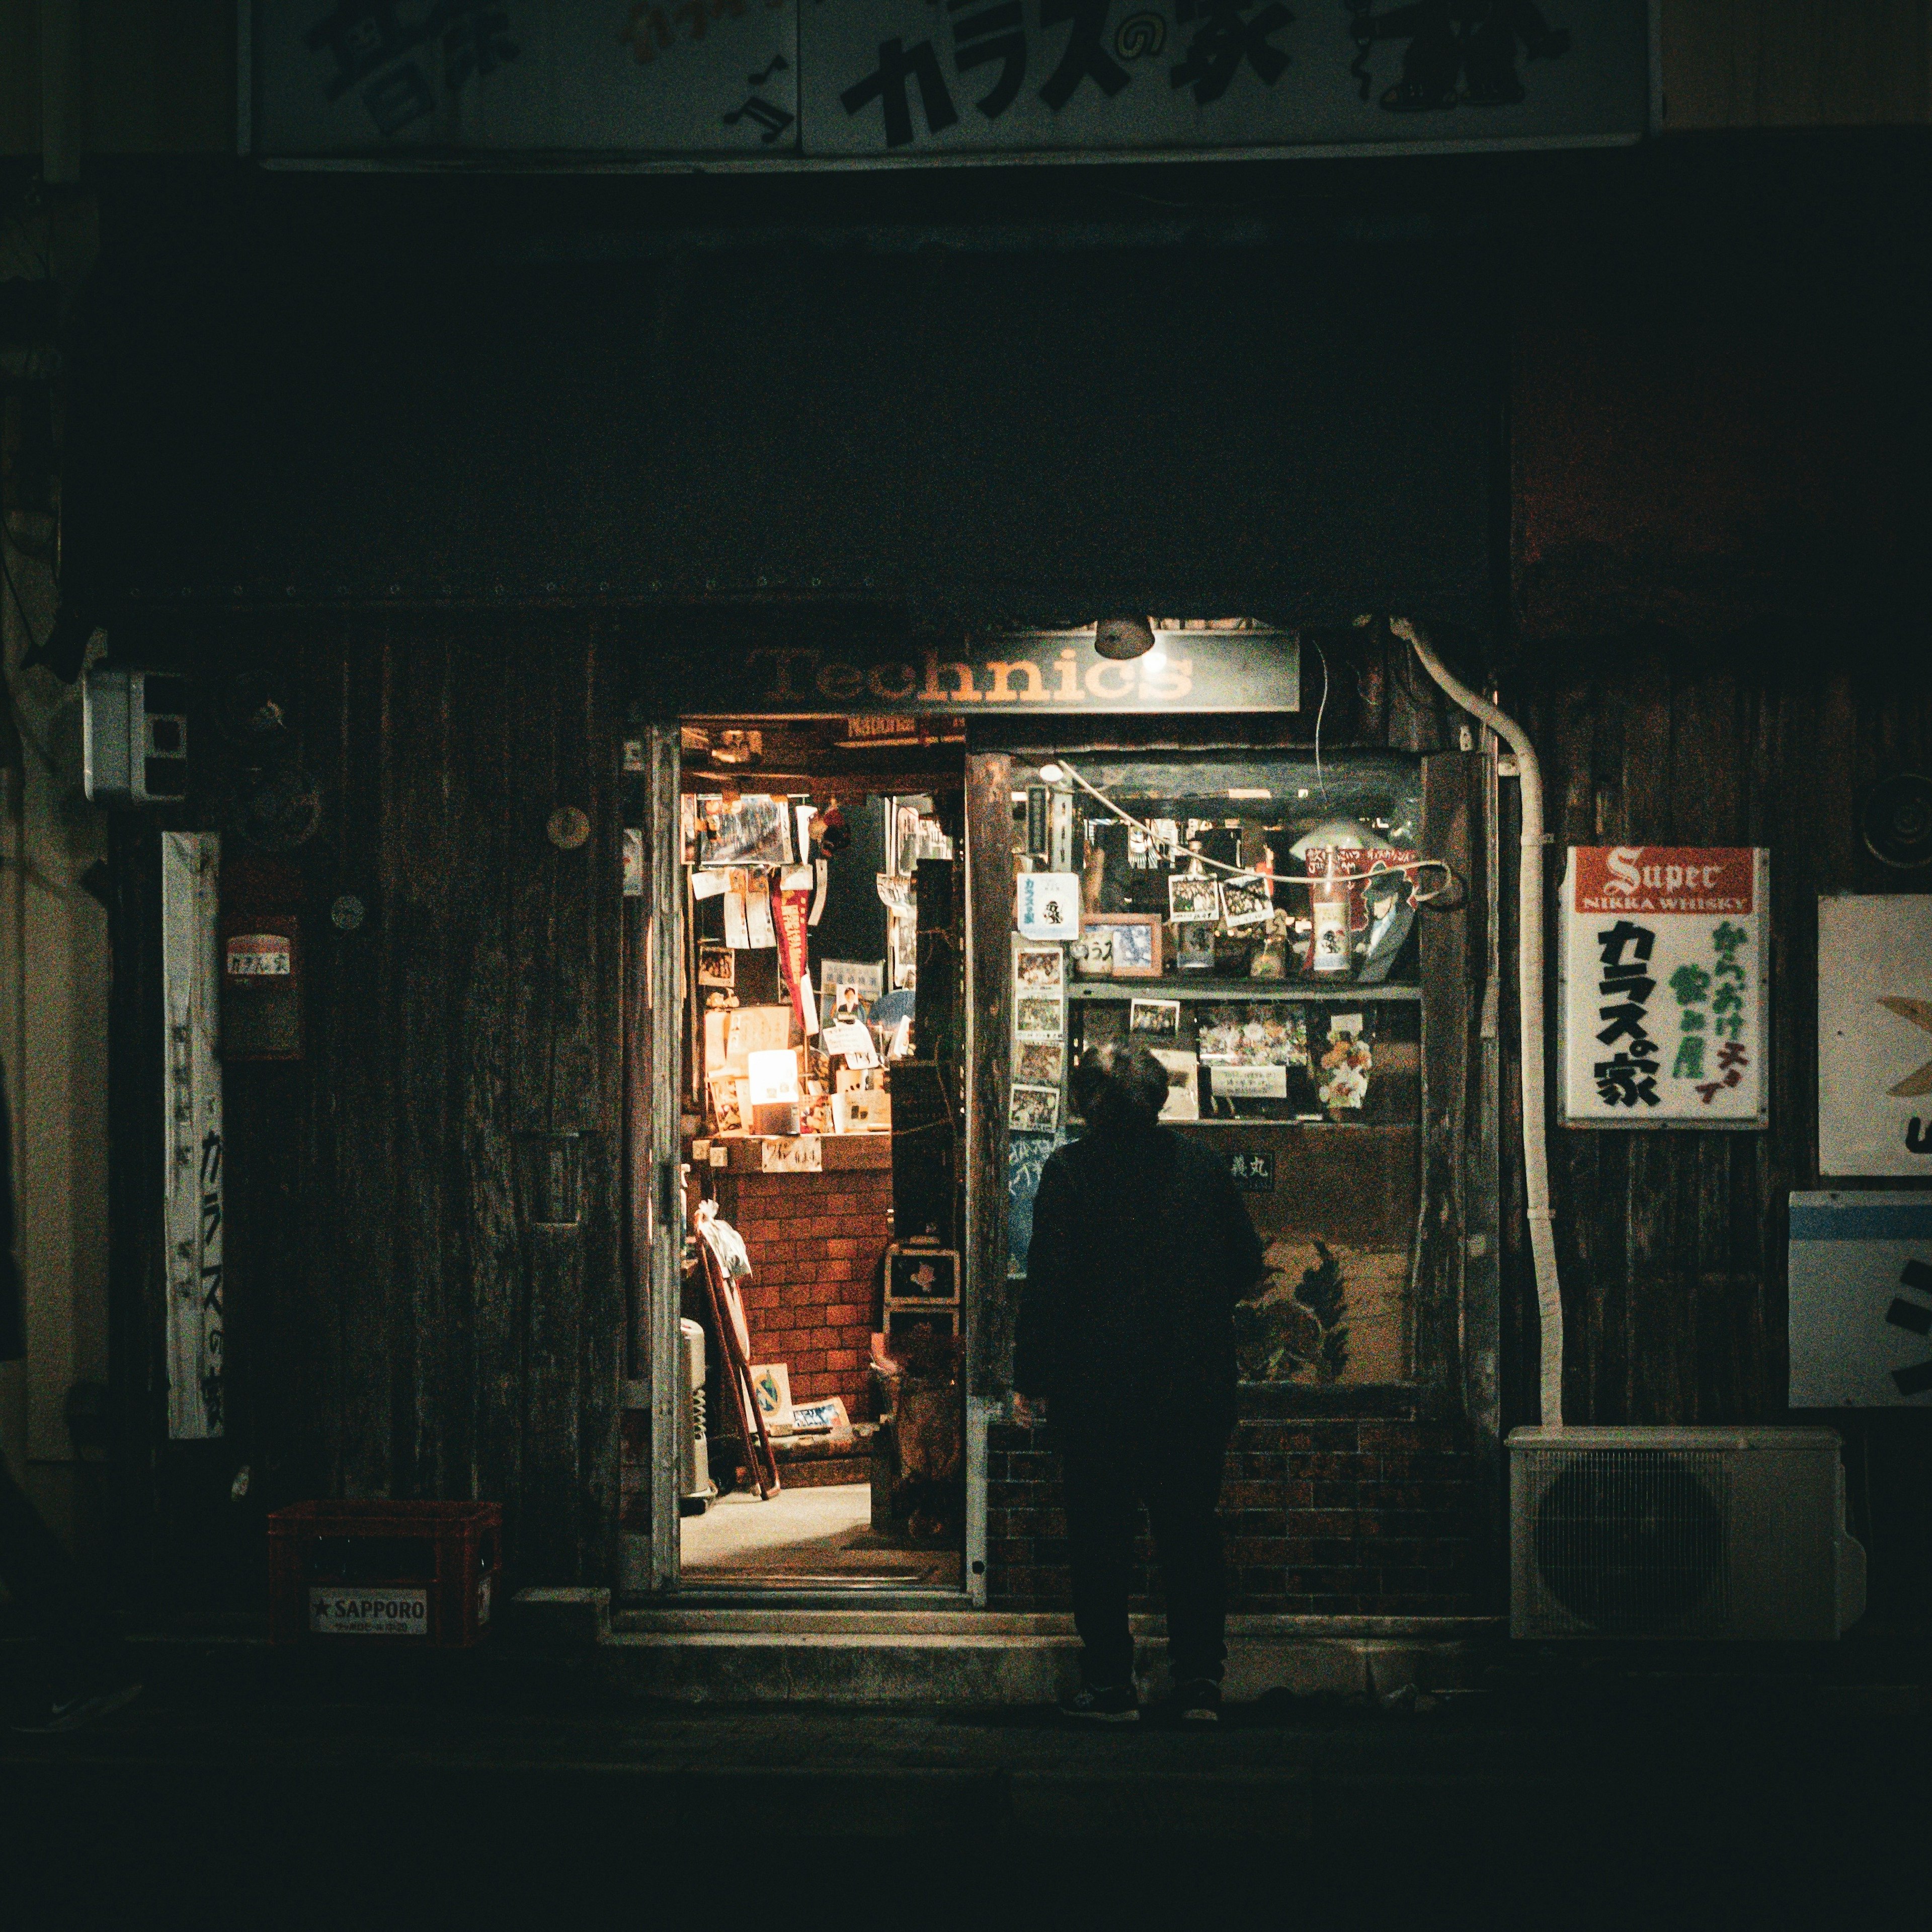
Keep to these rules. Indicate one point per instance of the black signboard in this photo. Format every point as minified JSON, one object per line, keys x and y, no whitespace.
{"x":1046,"y":671}
{"x":1253,"y":1172}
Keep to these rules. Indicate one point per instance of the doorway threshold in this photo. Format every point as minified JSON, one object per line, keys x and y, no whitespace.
{"x":842,"y":1593}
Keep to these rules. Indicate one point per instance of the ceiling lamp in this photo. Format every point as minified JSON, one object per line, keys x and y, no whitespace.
{"x":1121,"y":637}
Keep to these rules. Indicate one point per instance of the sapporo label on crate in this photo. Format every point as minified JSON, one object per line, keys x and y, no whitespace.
{"x":339,"y":1610}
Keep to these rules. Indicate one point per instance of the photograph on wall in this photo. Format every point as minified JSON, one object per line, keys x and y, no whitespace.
{"x":1192,"y":897}
{"x":1035,"y":1110}
{"x":1184,"y":1085}
{"x":753,"y":830}
{"x":849,"y":986}
{"x":1040,"y":1063}
{"x":1663,"y":1007}
{"x":1039,"y":1016}
{"x":717,"y":965}
{"x":1038,"y":969}
{"x":1875,"y":1034}
{"x":1247,"y":902}
{"x":1152,"y":1020}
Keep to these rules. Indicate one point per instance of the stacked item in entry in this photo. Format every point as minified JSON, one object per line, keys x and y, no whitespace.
{"x":922,"y":1295}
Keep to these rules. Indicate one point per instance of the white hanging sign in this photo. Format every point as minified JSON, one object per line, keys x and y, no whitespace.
{"x":192,"y":1134}
{"x":1049,"y":905}
{"x":1663,"y":1013}
{"x":1875,"y":1034}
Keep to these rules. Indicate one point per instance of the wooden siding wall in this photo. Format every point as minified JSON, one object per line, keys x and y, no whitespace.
{"x":425,"y":1214}
{"x":1671,"y":1245}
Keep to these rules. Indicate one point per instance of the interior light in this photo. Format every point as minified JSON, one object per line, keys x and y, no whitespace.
{"x":1122,"y":638}
{"x":774,"y":1076}
{"x":1050,"y":774}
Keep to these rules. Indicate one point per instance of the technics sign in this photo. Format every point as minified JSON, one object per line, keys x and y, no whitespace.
{"x":902,"y":81}
{"x":1040,"y":671}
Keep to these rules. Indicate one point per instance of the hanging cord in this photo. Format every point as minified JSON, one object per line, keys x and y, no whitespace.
{"x":1175,"y":851}
{"x":1320,"y":710}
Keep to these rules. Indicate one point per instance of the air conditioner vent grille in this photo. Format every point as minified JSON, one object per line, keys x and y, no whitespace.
{"x":1634,"y":1540}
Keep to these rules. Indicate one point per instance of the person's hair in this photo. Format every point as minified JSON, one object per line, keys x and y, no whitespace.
{"x":1119,"y":1086}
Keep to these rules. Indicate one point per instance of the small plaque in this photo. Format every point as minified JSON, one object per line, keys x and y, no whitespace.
{"x":1251,"y":1173}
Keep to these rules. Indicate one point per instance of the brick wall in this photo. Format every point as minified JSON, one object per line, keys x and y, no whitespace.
{"x":1321,"y":1518}
{"x":815,"y":1240}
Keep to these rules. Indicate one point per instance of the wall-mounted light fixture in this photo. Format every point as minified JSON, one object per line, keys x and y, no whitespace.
{"x":1123,"y":637}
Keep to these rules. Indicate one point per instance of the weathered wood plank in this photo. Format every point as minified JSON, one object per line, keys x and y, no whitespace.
{"x":991,"y":1304}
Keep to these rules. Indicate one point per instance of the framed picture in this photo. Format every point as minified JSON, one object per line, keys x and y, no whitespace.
{"x":921,"y":1275}
{"x":1154,"y":1021}
{"x":850,"y":986}
{"x":1035,"y":1110}
{"x":717,"y":964}
{"x":1191,"y":898}
{"x":1247,"y":902}
{"x":1040,"y":1063}
{"x":1136,"y":938}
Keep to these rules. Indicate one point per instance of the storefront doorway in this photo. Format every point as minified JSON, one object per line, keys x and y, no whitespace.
{"x":818,"y":1400}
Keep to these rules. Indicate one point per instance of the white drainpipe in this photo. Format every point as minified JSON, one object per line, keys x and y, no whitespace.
{"x":1529,"y":989}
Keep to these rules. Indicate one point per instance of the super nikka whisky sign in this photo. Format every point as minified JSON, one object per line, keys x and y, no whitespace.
{"x":1036,"y":671}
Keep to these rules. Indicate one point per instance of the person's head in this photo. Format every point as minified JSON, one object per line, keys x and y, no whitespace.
{"x":1119,"y":1088}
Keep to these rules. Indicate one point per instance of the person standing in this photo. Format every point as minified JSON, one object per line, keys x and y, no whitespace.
{"x":1141,"y":1248}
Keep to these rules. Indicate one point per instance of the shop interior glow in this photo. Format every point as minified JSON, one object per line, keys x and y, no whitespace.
{"x":774,"y":1077}
{"x":1057,"y":768}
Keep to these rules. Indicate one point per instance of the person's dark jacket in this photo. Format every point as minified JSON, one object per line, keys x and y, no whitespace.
{"x":1141,"y":1248}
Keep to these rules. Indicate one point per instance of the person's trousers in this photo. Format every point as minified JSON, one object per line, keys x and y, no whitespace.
{"x":1179,"y":1480}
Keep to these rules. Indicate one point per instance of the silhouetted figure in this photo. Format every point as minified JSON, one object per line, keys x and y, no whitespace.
{"x":1141,"y":1248}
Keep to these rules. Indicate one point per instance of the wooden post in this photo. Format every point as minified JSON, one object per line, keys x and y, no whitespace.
{"x":990,"y":1304}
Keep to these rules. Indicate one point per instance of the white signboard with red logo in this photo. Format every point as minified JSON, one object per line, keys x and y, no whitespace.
{"x":1663,"y":1013}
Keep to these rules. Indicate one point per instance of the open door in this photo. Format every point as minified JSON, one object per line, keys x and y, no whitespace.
{"x":652,"y":950}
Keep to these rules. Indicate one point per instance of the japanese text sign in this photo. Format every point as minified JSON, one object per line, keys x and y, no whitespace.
{"x":1662,"y":1017}
{"x":909,"y":81}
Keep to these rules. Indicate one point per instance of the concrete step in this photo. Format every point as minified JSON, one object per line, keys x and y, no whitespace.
{"x":691,"y":1654}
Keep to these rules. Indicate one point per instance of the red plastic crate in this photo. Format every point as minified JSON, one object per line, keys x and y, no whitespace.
{"x":384,"y":1572}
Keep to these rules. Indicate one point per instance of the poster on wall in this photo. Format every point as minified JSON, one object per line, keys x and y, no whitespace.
{"x":1860,"y":1320}
{"x":1663,"y":1012}
{"x":1875,"y":1033}
{"x":192,"y":1183}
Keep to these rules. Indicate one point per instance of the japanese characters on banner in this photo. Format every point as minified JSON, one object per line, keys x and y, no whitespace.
{"x":1875,"y":1033}
{"x":906,"y":80}
{"x":1663,"y":1010}
{"x":192,"y":1194}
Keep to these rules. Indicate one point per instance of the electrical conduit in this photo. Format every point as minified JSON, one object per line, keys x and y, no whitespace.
{"x":1529,"y":1001}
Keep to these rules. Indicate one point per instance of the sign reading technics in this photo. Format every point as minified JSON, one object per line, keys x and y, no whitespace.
{"x":1037,"y":671}
{"x":1664,"y":986}
{"x":908,"y":81}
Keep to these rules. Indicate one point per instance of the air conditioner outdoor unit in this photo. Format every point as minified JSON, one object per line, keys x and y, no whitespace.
{"x":695,"y":1488}
{"x":1693,"y":1533}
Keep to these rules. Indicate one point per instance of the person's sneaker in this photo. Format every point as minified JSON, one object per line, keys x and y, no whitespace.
{"x":1196,"y":1700}
{"x":1103,"y":1704}
{"x":69,"y":1713}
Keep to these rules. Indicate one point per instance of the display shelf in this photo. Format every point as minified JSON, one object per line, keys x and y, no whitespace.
{"x":1227,"y":990}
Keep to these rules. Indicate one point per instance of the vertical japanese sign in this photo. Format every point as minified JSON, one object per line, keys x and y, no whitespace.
{"x":1875,"y":1033}
{"x":191,"y":1135}
{"x":1663,"y":1010}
